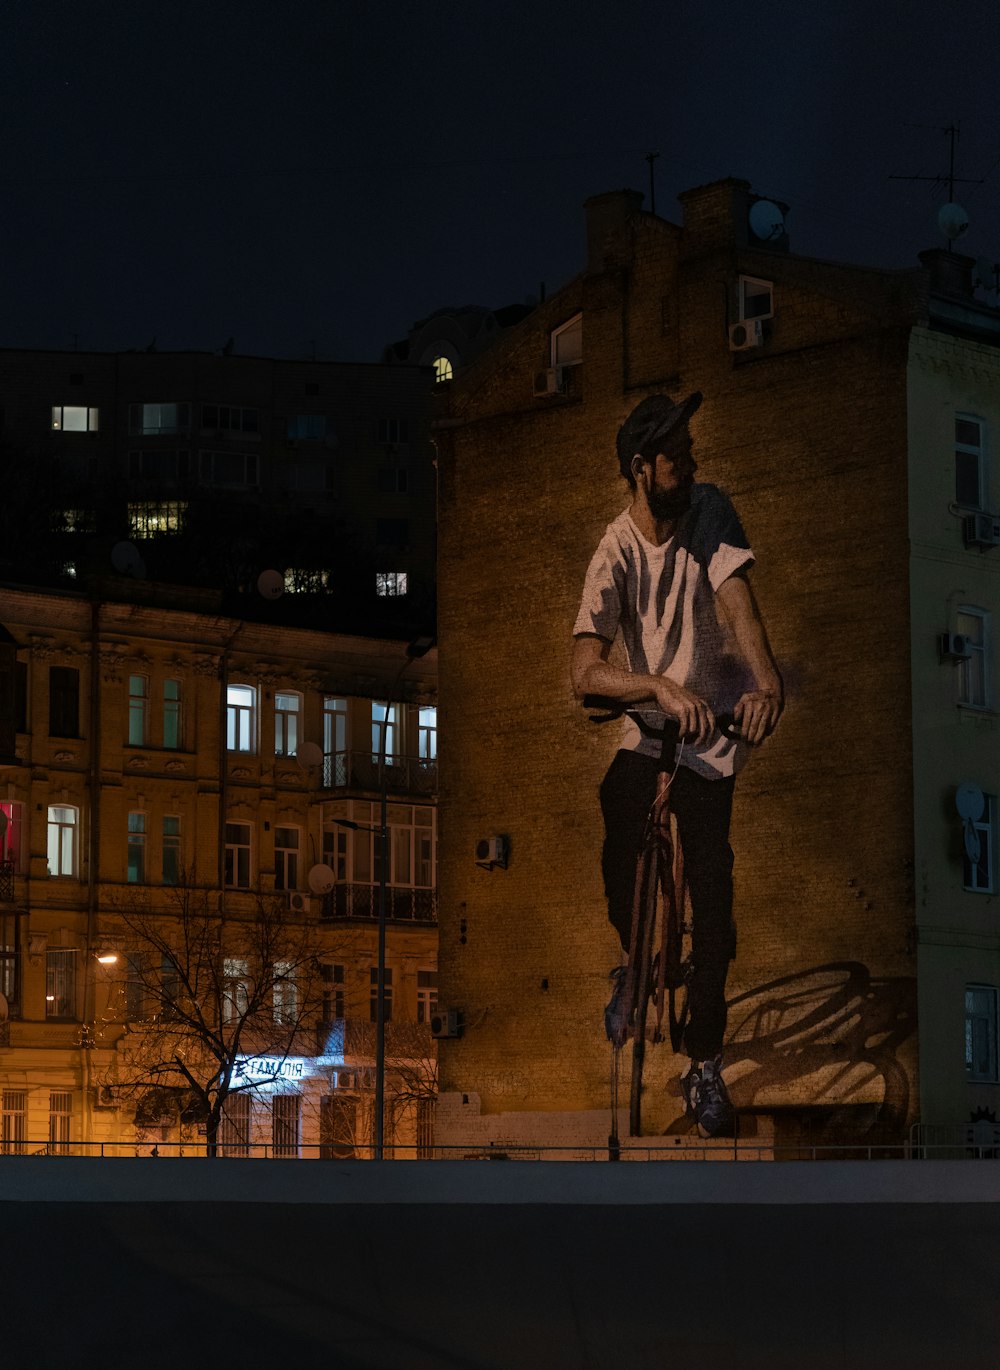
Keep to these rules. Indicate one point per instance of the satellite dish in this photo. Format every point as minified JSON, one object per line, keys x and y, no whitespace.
{"x":321,"y":879}
{"x":309,"y":754}
{"x":766,"y":221}
{"x":126,"y":560}
{"x":952,"y":221}
{"x":970,"y":802}
{"x":271,"y":584}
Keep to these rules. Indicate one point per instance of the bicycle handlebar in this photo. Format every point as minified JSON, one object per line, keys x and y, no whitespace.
{"x":614,"y":708}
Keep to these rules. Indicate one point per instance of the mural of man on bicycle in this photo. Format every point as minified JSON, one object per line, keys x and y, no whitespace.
{"x":669,"y":580}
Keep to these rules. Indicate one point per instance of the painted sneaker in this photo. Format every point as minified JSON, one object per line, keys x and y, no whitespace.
{"x":707,"y":1099}
{"x":616,"y":1014}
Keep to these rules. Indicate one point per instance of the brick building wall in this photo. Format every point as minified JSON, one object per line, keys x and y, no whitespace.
{"x":808,"y":435}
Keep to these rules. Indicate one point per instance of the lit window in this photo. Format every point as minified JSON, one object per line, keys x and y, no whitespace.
{"x":172,"y":714}
{"x":286,"y":858}
{"x":334,"y":741}
{"x":149,"y":518}
{"x":390,"y":584}
{"x":385,"y":717}
{"x":567,"y":342}
{"x":386,"y":996}
{"x":138,"y":709}
{"x":285,"y":1124}
{"x":69,"y":569}
{"x":307,"y":427}
{"x":285,"y":993}
{"x":756,"y":298}
{"x":981,"y":1033}
{"x":286,"y":723}
{"x":443,"y":370}
{"x":73,"y":418}
{"x":299,"y":581}
{"x":978,"y":874}
{"x":236,"y":989}
{"x":159,"y":418}
{"x":62,"y":839}
{"x":973,"y":673}
{"x":241,"y":718}
{"x":970,"y":462}
{"x":228,"y":418}
{"x":137,"y":849}
{"x":237,"y":856}
{"x":73,"y":521}
{"x":427,"y":995}
{"x":60,"y":982}
{"x":228,"y":470}
{"x":427,"y":733}
{"x":171,"y":850}
{"x":11,"y":828}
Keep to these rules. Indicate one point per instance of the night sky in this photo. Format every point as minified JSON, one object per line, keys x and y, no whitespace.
{"x":314,"y":175}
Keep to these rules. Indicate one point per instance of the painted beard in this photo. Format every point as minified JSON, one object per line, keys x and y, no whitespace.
{"x":670,"y":504}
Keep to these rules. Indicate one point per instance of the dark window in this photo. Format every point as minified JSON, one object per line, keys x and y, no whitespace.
{"x":8,"y":700}
{"x":21,"y":696}
{"x":393,"y":533}
{"x":64,"y":701}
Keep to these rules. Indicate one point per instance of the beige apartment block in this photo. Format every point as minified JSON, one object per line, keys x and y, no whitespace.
{"x":848,"y":414}
{"x":191,"y":830}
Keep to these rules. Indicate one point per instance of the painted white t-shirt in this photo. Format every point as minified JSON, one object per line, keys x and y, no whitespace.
{"x":662,"y":600}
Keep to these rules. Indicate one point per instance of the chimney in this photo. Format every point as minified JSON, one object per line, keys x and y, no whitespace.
{"x":606,"y":214}
{"x":950,"y":272}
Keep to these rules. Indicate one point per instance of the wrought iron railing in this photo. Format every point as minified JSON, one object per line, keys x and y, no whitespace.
{"x":6,"y":882}
{"x":360,"y":771}
{"x":402,"y":904}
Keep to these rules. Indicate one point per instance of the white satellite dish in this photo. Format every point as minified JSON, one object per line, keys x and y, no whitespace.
{"x":321,"y":879}
{"x":766,"y":221}
{"x":309,"y":754}
{"x":271,"y":584}
{"x":126,"y":560}
{"x":952,"y":221}
{"x":970,"y":802}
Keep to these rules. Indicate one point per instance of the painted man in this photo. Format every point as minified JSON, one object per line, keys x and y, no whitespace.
{"x":670,"y":576}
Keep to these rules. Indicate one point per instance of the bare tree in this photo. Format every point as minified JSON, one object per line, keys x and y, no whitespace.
{"x":203,"y":995}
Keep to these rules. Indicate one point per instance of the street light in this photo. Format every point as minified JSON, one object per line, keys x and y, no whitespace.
{"x":414,"y":650}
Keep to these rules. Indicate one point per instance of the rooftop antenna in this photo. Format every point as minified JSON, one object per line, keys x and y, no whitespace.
{"x":651,"y":158}
{"x":952,"y":218}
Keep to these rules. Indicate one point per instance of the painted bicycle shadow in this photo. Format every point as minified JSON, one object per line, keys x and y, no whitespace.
{"x":823,"y":1042}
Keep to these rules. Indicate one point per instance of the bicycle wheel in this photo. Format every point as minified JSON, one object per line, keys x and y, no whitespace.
{"x":648,"y":887}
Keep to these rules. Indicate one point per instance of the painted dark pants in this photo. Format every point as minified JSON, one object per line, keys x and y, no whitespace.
{"x":703,"y":809}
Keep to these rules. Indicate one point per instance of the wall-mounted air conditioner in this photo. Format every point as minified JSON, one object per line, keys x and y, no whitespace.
{"x":745,"y":334}
{"x":981,"y":530}
{"x":552,"y":381}
{"x":492,"y":851}
{"x":954,"y":647}
{"x":446,"y":1022}
{"x":300,"y":902}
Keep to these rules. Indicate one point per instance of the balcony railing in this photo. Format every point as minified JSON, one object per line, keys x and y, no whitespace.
{"x":405,"y":905}
{"x":359,"y":771}
{"x":6,"y":882}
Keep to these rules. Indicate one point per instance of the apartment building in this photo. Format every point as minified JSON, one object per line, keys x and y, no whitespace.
{"x":849,"y":415}
{"x":191,"y":878}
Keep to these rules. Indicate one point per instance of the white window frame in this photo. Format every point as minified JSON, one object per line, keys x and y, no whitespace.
{"x":241,"y":718}
{"x":63,"y":839}
{"x":566,"y":343}
{"x":89,"y":423}
{"x":979,"y":452}
{"x":757,"y":289}
{"x":169,"y":416}
{"x":236,"y":988}
{"x":427,"y":993}
{"x":973,"y":695}
{"x":286,"y":858}
{"x":233,"y":865}
{"x":981,"y":1021}
{"x":138,"y":710}
{"x":427,"y":734}
{"x":388,"y":717}
{"x":980,"y":878}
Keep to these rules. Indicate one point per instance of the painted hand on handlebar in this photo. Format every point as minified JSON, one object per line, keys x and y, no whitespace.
{"x":756,"y":714}
{"x":696,"y":719}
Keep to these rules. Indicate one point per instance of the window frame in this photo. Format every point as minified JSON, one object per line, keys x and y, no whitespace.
{"x":238,"y":856}
{"x":67,"y":841}
{"x":980,"y":452}
{"x":64,"y":701}
{"x":286,"y":722}
{"x":173,"y":711}
{"x":989,"y":1016}
{"x":286,"y":858}
{"x":572,"y":328}
{"x":136,"y":845}
{"x":60,"y":984}
{"x":171,"y":842}
{"x":980,"y":652}
{"x":91,"y":418}
{"x":238,"y":714}
{"x":743,"y":316}
{"x":985,"y":826}
{"x":138,"y":710}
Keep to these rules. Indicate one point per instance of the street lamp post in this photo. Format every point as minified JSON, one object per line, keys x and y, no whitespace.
{"x":418,"y":648}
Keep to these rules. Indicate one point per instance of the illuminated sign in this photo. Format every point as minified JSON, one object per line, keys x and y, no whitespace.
{"x":266,"y":1070}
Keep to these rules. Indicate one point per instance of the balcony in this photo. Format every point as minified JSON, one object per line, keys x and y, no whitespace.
{"x":402,"y":904}
{"x":6,"y":882}
{"x":359,"y":771}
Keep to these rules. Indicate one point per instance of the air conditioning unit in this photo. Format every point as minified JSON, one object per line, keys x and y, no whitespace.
{"x":745,"y":334}
{"x":981,"y":530}
{"x":446,"y":1022}
{"x":492,"y":851}
{"x":954,"y":647}
{"x":299,"y":902}
{"x":550,"y":382}
{"x":104,"y":1097}
{"x":345,"y":1079}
